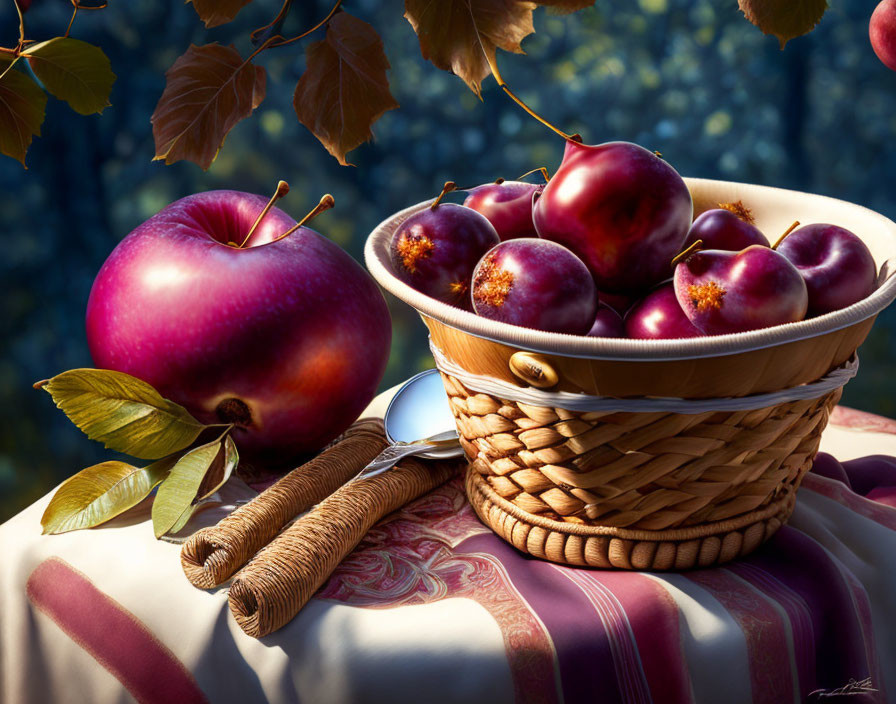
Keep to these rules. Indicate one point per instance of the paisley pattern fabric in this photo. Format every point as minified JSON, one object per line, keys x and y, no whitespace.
{"x":433,"y":607}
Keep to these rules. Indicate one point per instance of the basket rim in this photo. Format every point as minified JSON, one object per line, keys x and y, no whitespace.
{"x":624,"y":349}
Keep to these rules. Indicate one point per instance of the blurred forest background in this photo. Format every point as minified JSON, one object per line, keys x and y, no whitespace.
{"x":690,"y":78}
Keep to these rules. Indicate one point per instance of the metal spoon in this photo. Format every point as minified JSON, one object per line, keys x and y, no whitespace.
{"x":418,"y":422}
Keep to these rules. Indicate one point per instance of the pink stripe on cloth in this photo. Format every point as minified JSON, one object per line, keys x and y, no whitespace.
{"x":771,"y":674}
{"x":626,"y":660}
{"x":831,"y":488}
{"x":111,"y":634}
{"x":653,"y":619}
{"x":847,"y":417}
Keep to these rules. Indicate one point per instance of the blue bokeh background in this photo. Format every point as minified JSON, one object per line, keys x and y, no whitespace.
{"x":690,"y":78}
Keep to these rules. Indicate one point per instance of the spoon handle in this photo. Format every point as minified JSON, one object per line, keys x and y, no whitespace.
{"x":389,"y":457}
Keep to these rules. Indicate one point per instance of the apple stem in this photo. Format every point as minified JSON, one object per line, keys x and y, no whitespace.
{"x":790,"y":229}
{"x":682,"y":256}
{"x":282,"y":190}
{"x":541,"y":169}
{"x":447,"y":188}
{"x":658,"y":154}
{"x":326,"y":202}
{"x":499,"y":180}
{"x":493,"y":66}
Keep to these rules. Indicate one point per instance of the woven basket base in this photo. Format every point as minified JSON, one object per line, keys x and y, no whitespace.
{"x":620,"y":548}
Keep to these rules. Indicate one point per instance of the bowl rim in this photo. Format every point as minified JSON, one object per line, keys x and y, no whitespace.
{"x":625,"y":349}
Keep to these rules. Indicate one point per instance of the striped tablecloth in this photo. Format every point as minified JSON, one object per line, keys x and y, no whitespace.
{"x":432,"y":607}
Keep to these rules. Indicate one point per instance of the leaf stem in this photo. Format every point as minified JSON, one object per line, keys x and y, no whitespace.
{"x":786,"y":232}
{"x":9,"y":68}
{"x":284,"y":10}
{"x":282,"y":190}
{"x":72,"y":20}
{"x":21,"y":27}
{"x":681,"y":256}
{"x":279,"y":40}
{"x":493,"y":65}
{"x":326,"y":202}
{"x":447,"y":188}
{"x":541,"y":169}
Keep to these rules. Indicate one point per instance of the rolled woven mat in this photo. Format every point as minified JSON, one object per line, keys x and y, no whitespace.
{"x":212,"y":555}
{"x":268,"y":592}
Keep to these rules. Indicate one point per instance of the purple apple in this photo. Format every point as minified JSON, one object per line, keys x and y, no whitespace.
{"x":607,"y":323}
{"x":658,"y":316}
{"x":723,"y":292}
{"x":507,"y":205}
{"x":620,"y":208}
{"x":436,"y":250}
{"x":288,"y":338}
{"x":536,"y":284}
{"x":722,"y":229}
{"x":836,"y":265}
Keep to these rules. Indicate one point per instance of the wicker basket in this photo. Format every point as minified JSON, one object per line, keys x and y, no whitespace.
{"x":647,"y":454}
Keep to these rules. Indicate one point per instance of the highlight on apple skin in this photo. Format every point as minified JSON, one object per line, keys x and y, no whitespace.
{"x":287,"y":338}
{"x":622,"y":209}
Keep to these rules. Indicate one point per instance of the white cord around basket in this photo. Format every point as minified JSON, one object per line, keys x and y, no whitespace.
{"x":586,"y":403}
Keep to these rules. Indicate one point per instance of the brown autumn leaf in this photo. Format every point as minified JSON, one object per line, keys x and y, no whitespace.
{"x":22,"y":108}
{"x":217,"y":12}
{"x":458,"y":35}
{"x":785,"y":19}
{"x":565,"y":7}
{"x":344,"y":89}
{"x":207,"y":91}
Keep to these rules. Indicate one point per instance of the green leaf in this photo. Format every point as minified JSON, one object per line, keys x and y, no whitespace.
{"x":785,"y":19}
{"x":22,"y":108}
{"x":124,"y":413}
{"x":218,"y":12}
{"x":101,"y":492}
{"x":74,"y":71}
{"x":199,"y":473}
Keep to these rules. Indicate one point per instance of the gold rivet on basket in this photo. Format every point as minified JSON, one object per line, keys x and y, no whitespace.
{"x":533,"y":369}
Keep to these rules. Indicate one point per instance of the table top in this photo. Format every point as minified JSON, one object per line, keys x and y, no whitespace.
{"x":433,"y":607}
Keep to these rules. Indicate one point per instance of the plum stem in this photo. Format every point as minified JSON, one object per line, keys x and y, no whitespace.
{"x":282,"y":190}
{"x":447,"y":188}
{"x":326,"y":202}
{"x":493,"y":66}
{"x":541,"y":169}
{"x":682,"y":256}
{"x":790,"y":229}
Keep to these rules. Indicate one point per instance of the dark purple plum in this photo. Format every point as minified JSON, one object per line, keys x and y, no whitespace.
{"x":507,"y":205}
{"x":436,"y":250}
{"x":836,"y":265}
{"x":721,"y":228}
{"x":658,"y":316}
{"x":536,"y":284}
{"x":723,"y":292}
{"x":619,"y":207}
{"x":607,"y":323}
{"x":617,"y":301}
